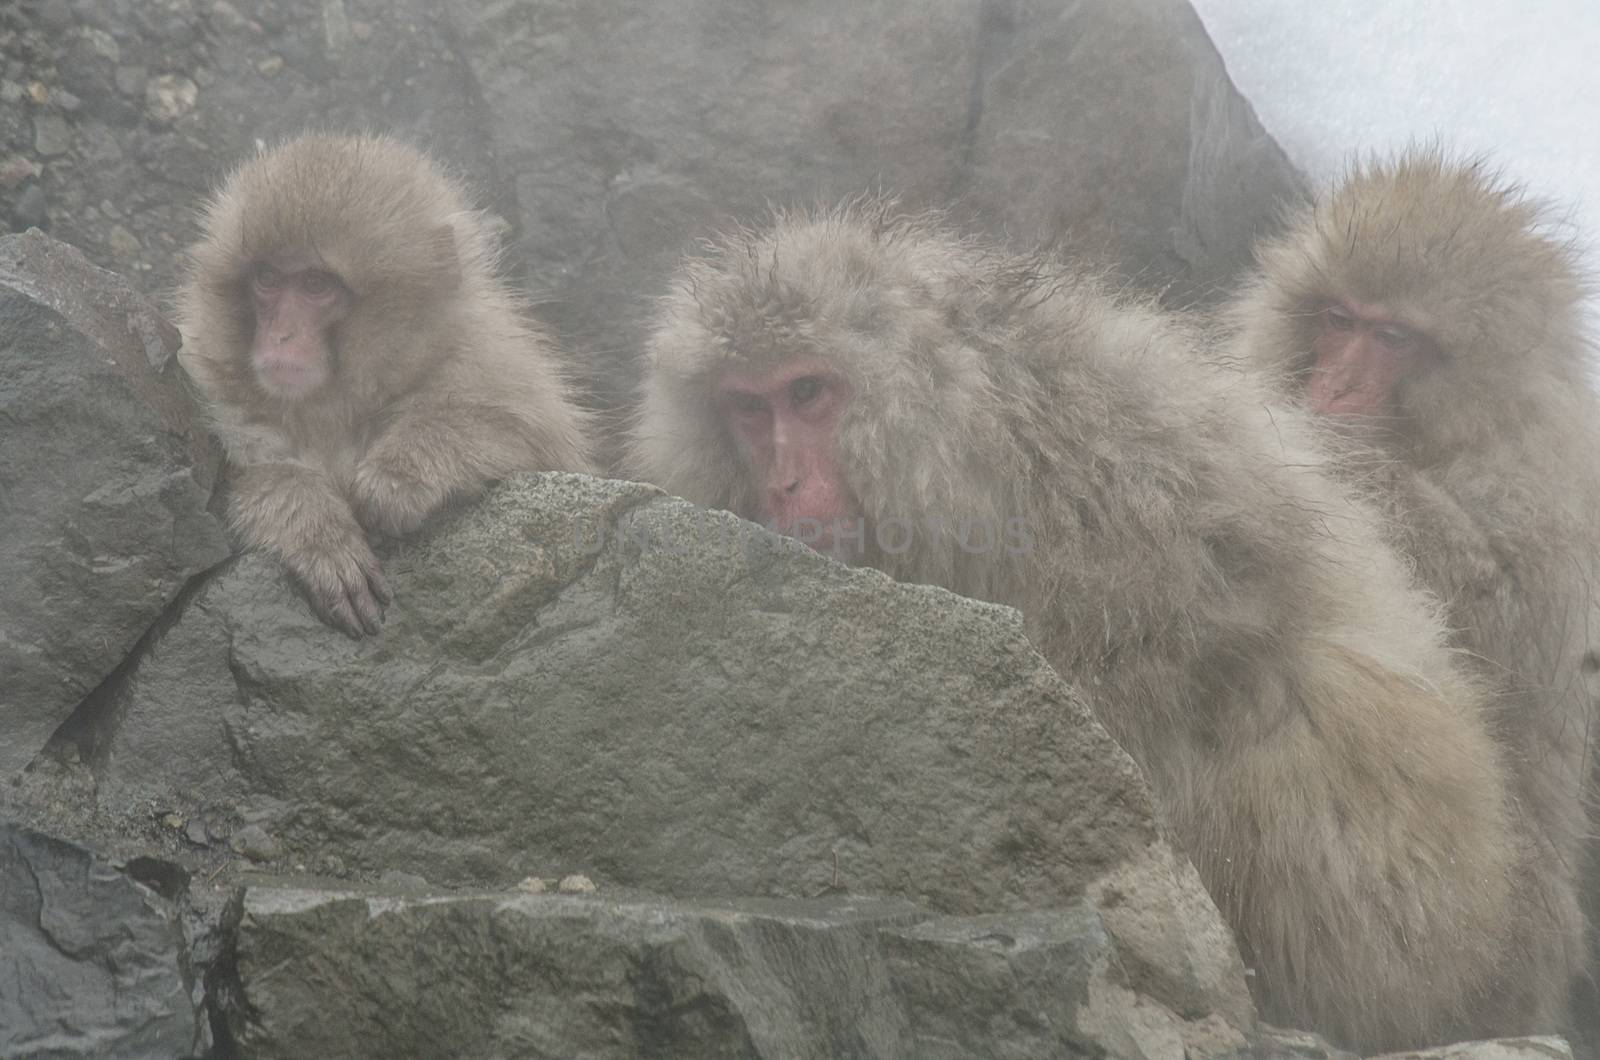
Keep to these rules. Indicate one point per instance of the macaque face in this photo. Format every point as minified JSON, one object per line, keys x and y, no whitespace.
{"x":295,"y":309}
{"x":1360,"y":354}
{"x":785,"y":422}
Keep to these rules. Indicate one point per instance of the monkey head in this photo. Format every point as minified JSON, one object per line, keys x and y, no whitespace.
{"x":784,"y":422}
{"x":324,"y":258}
{"x":1422,"y":296}
{"x":296,"y":308}
{"x":815,"y":376}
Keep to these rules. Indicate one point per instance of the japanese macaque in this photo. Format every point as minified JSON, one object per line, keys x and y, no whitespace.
{"x":362,"y":361}
{"x":1011,"y":430}
{"x":1426,"y":308}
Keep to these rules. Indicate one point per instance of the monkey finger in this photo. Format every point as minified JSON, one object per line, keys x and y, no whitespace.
{"x":367,"y":588}
{"x":377,"y":586}
{"x":358,"y":597}
{"x":336,"y":611}
{"x":367,"y":608}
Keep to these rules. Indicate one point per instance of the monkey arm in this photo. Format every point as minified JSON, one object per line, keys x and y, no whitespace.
{"x":298,"y":512}
{"x":1510,"y":551}
{"x":1456,"y":556}
{"x":1504,"y":564}
{"x":424,"y":457}
{"x":1364,"y":849}
{"x":433,"y":448}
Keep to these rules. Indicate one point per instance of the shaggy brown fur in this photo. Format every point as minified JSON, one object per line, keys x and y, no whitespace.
{"x":438,"y":381}
{"x":1233,"y":613}
{"x":1491,"y":459}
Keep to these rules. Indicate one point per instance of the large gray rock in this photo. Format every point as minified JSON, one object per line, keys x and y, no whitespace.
{"x":104,"y":481}
{"x":1533,"y":1048}
{"x":611,"y":134}
{"x":683,"y":703}
{"x":92,"y":964}
{"x":348,"y":974}
{"x":521,"y":975}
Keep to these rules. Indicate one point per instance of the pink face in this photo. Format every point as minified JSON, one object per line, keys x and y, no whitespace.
{"x":785,"y":422}
{"x":1360,"y":354}
{"x":294,"y":308}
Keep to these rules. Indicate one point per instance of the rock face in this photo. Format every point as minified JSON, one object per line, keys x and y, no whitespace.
{"x":1538,"y":1048}
{"x":104,"y":481}
{"x":534,"y":705}
{"x":611,"y":135}
{"x":93,"y":964}
{"x":344,"y":974}
{"x":580,"y":674}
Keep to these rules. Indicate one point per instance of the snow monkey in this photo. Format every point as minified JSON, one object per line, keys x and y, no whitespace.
{"x":362,"y":361}
{"x":1426,"y":307}
{"x":1016,"y":431}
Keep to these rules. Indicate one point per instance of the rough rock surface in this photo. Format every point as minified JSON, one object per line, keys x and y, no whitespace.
{"x":1538,"y":1048}
{"x":104,"y":482}
{"x":581,"y":674}
{"x":349,"y":973}
{"x":610,"y":135}
{"x":92,"y":964}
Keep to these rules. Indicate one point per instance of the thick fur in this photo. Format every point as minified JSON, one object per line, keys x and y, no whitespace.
{"x":1491,"y":462}
{"x":1232,"y":611}
{"x":441,"y":382}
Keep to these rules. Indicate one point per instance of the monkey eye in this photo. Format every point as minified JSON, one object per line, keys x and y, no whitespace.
{"x":316,"y":282}
{"x":266,"y":277}
{"x":1393,"y":337}
{"x":1339,"y":318}
{"x":805,"y":390}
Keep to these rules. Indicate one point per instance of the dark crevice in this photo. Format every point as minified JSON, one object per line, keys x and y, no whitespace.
{"x":225,"y":1003}
{"x":167,"y":878}
{"x":89,"y":728}
{"x":660,"y":1017}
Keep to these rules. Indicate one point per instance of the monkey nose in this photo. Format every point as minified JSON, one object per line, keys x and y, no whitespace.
{"x":781,"y":493}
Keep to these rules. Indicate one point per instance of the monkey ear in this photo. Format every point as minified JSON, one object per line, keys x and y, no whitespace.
{"x":443,"y":257}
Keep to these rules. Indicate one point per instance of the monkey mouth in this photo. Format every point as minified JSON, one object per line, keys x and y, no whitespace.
{"x":289,"y":381}
{"x":823,"y":541}
{"x":836,"y":538}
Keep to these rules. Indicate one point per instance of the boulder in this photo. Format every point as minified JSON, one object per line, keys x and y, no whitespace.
{"x":1532,"y":1048}
{"x":105,"y":478}
{"x":94,"y":964}
{"x":364,"y":973}
{"x":584,"y":675}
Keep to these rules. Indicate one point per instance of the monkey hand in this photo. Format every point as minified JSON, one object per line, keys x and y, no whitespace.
{"x":345,"y":585}
{"x":392,"y":494}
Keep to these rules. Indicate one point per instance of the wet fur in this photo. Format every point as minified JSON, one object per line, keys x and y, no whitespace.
{"x":1230,"y":609}
{"x":441,"y":381}
{"x":1491,"y":466}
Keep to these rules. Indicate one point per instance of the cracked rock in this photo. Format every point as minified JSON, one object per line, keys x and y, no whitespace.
{"x":93,"y":964}
{"x":105,"y":485}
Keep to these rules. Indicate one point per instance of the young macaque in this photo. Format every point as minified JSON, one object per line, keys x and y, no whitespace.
{"x":1429,"y":310}
{"x":1008,"y":428}
{"x":363,"y":362}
